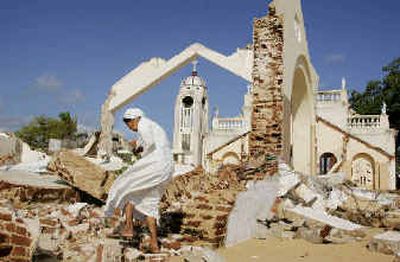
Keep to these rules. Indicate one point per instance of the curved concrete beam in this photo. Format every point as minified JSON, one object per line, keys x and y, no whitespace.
{"x":150,"y":73}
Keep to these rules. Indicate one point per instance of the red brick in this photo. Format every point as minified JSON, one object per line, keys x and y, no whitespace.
{"x":222,"y":217}
{"x":224,"y":208}
{"x":19,"y":240}
{"x":193,"y":223}
{"x":220,"y":224}
{"x":4,"y":238}
{"x":10,"y":227}
{"x":201,"y":199}
{"x":19,"y":220}
{"x":206,"y":217}
{"x":48,"y":222}
{"x":21,"y":230}
{"x":204,"y":206}
{"x":5,"y":216}
{"x":20,"y":252}
{"x":73,"y":222}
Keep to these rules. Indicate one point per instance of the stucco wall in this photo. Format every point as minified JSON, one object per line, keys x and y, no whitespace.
{"x":346,"y":148}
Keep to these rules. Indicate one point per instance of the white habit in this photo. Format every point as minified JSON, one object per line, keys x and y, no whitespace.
{"x":143,"y":184}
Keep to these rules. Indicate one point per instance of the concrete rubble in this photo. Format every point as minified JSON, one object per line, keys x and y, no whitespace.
{"x":61,"y":209}
{"x":82,"y":174}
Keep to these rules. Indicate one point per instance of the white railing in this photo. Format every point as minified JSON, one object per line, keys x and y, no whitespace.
{"x":228,"y":123}
{"x":364,"y":121}
{"x":329,"y":96}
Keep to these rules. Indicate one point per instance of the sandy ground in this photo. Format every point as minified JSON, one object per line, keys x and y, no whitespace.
{"x":274,"y":249}
{"x":300,"y":250}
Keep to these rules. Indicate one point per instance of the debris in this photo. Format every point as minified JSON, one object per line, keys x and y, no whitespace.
{"x":82,"y":174}
{"x":386,"y":243}
{"x":24,"y":187}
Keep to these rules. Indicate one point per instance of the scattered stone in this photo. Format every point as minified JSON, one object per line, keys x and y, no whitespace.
{"x":386,"y":243}
{"x":82,"y":174}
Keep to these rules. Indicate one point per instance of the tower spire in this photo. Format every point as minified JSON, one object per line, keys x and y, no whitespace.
{"x":194,"y":71}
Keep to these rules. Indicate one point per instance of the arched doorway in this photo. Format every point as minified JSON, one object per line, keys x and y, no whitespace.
{"x":230,"y":158}
{"x":362,"y":171}
{"x":301,"y":121}
{"x":326,"y":162}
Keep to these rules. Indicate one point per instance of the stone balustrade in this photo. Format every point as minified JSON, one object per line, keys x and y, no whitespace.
{"x":228,"y":123}
{"x":329,"y":96}
{"x":364,"y":121}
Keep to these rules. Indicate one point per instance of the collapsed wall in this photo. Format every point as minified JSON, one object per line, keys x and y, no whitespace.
{"x":204,"y":202}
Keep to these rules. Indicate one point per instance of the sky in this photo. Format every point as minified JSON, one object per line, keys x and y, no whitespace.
{"x":65,"y":55}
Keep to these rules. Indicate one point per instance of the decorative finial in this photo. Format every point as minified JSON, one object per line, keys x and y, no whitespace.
{"x":343,"y":83}
{"x":194,"y":71}
{"x":384,"y":108}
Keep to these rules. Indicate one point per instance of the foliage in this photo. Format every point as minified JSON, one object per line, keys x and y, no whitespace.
{"x":39,"y":131}
{"x":378,"y":91}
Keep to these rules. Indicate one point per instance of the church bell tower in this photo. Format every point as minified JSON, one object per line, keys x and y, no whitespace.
{"x":191,"y":120}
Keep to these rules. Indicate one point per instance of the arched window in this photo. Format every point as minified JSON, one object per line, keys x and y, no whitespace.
{"x":187,"y":101}
{"x":326,"y":162}
{"x":362,"y":171}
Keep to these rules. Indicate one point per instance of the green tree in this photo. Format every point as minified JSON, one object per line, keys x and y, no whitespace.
{"x":39,"y":131}
{"x":386,"y":90}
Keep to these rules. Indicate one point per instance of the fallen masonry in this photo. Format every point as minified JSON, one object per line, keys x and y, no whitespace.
{"x":16,"y":242}
{"x":387,"y":243}
{"x":82,"y":174}
{"x":23,"y":188}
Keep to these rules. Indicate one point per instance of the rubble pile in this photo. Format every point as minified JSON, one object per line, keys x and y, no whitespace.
{"x":198,"y":210}
{"x":82,"y":174}
{"x":23,"y":188}
{"x":327,"y":209}
{"x":204,"y":202}
{"x":16,"y":243}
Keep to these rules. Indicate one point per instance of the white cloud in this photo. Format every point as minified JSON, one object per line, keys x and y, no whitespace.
{"x":335,"y":58}
{"x":49,"y":83}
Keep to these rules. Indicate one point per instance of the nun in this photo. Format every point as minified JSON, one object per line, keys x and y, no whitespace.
{"x":139,"y":189}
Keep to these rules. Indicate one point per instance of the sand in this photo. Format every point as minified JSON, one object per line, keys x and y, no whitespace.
{"x":300,"y":250}
{"x":274,"y":249}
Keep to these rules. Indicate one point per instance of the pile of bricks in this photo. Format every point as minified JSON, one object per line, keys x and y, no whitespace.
{"x":15,"y":240}
{"x":205,"y":202}
{"x":21,"y":194}
{"x":82,"y":174}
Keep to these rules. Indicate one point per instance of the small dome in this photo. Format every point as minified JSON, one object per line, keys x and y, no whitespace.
{"x":193,"y":80}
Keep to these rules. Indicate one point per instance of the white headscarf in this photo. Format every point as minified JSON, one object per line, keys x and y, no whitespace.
{"x":132,"y":113}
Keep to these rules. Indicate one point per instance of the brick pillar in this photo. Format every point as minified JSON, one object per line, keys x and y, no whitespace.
{"x":267,"y":116}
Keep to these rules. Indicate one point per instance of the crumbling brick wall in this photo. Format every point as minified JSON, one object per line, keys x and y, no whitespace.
{"x":25,"y":194}
{"x":204,"y":201}
{"x":15,"y":240}
{"x":267,"y":115}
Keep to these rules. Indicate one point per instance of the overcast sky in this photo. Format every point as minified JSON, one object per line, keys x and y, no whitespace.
{"x":65,"y":55}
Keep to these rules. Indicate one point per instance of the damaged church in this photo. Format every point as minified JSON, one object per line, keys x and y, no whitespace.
{"x":284,"y":116}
